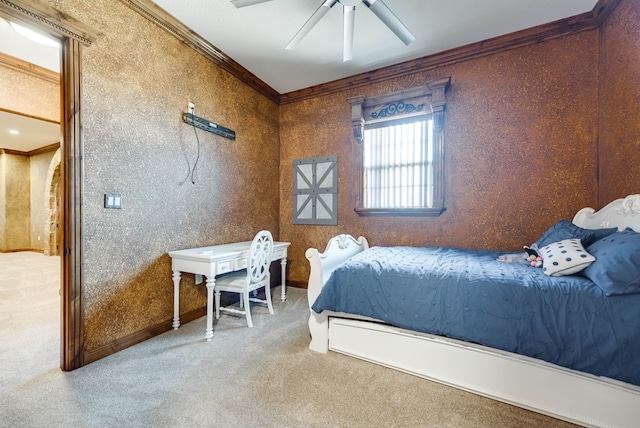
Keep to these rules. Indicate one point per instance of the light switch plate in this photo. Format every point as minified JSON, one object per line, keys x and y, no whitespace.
{"x":113,"y":200}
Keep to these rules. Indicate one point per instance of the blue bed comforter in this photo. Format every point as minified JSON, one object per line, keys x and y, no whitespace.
{"x":469,"y":295}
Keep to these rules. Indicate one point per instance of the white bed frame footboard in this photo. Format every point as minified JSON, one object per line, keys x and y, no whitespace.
{"x":339,"y":249}
{"x":522,"y":381}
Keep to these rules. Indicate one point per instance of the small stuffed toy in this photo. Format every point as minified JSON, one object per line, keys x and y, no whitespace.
{"x":533,"y":257}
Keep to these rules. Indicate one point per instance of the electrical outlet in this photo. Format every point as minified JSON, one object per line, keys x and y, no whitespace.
{"x":191,"y":108}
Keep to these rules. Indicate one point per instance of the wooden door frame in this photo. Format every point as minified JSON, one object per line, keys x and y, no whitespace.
{"x":74,"y":35}
{"x":71,"y":168}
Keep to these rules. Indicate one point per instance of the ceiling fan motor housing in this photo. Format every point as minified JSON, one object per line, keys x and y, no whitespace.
{"x":350,"y":2}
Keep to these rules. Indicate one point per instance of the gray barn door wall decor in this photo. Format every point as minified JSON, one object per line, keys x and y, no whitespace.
{"x":315,"y":190}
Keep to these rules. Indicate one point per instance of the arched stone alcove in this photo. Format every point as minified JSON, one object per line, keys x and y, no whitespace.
{"x":52,"y":207}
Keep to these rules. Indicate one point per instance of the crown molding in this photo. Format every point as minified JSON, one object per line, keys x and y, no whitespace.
{"x":28,"y":68}
{"x":530,"y":36}
{"x":33,"y":13}
{"x":39,"y":151}
{"x":572,"y":25}
{"x":603,"y":9}
{"x":164,"y":20}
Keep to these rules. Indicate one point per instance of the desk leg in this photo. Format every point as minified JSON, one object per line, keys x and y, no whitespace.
{"x":211,"y":282}
{"x":176,"y":299}
{"x":283,"y":293}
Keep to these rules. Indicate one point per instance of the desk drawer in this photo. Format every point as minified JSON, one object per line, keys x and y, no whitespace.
{"x":224,"y":267}
{"x":278,"y":254}
{"x":240,"y":264}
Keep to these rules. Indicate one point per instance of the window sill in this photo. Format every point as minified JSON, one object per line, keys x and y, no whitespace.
{"x":400,"y":212}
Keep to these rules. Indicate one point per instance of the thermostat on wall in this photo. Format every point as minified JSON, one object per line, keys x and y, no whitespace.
{"x":112,"y":200}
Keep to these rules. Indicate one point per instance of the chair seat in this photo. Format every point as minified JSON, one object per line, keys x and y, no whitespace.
{"x":235,"y":282}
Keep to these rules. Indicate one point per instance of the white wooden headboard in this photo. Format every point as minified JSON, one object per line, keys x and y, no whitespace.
{"x":621,"y":213}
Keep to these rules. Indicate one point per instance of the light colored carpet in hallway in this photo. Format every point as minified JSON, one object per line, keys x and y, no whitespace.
{"x":259,"y":377}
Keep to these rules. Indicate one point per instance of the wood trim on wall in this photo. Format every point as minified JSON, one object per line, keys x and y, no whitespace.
{"x":140,"y":336}
{"x":31,"y":116}
{"x":603,"y":9}
{"x":28,"y":68}
{"x":159,"y":16}
{"x":45,"y":149}
{"x":530,"y":36}
{"x":42,"y":17}
{"x":71,"y":177}
{"x":34,"y":152}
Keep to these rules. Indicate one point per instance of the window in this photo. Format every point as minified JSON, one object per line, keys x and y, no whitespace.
{"x":398,"y":165}
{"x":400,"y":158}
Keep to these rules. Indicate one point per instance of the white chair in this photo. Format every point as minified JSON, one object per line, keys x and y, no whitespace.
{"x":247,"y":281}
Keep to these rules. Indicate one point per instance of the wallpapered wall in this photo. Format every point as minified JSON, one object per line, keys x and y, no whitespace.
{"x":619,"y":109}
{"x":29,"y":95}
{"x":15,"y":201}
{"x":520,"y":151}
{"x":137,"y":80}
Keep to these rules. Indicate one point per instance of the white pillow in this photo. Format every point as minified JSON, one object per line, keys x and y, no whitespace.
{"x":565,"y":257}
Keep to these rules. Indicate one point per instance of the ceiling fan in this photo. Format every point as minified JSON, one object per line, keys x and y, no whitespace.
{"x":378,"y":7}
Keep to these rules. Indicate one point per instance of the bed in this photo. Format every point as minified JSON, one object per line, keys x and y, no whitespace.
{"x":562,"y":339}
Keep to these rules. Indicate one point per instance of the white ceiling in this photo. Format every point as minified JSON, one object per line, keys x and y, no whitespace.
{"x":256,"y":36}
{"x":31,"y":133}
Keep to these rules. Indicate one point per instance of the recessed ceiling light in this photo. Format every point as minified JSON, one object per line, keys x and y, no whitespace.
{"x":34,"y":36}
{"x":13,"y":132}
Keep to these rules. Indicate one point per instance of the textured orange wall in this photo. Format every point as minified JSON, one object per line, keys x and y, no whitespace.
{"x":29,"y":95}
{"x":137,"y":81}
{"x":15,"y":171}
{"x":619,"y":142}
{"x":520,"y":151}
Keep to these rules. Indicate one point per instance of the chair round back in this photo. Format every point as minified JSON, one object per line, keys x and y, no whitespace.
{"x":260,"y":256}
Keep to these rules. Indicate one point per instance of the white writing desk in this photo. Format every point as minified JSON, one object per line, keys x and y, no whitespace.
{"x":216,"y":260}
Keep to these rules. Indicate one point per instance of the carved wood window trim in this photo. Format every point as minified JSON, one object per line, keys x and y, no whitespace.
{"x":384,"y":110}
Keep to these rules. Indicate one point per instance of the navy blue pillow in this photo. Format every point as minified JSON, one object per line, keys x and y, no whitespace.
{"x":617,"y":266}
{"x":564,"y":229}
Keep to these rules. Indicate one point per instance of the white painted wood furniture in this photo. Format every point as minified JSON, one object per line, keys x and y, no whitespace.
{"x":522,"y":381}
{"x":244,"y":282}
{"x":213,"y":261}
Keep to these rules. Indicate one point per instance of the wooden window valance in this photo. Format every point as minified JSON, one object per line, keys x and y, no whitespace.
{"x":394,"y":108}
{"x":427,"y":99}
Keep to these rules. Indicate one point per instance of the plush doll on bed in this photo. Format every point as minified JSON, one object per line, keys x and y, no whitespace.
{"x":530,"y":256}
{"x":533,"y":257}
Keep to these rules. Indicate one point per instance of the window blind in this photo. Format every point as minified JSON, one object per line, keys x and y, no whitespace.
{"x":398,"y":165}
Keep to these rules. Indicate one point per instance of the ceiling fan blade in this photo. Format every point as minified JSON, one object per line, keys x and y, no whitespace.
{"x":243,"y":3}
{"x":390,"y":20}
{"x":349,"y":22}
{"x":317,"y":15}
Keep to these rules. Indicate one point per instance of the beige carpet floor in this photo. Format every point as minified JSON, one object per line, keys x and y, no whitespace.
{"x":260,"y":377}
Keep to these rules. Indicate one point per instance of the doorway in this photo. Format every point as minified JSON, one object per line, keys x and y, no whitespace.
{"x":73,"y":35}
{"x":30,"y":132}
